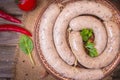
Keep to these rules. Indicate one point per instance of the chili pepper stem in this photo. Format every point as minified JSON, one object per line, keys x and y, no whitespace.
{"x":31,"y":59}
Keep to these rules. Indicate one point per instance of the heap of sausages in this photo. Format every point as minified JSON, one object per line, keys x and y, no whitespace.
{"x":61,"y":50}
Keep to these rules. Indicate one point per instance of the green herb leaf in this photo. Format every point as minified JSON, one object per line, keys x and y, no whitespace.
{"x":26,"y":45}
{"x":89,"y":45}
{"x":91,"y":49}
{"x":86,"y":34}
{"x":93,"y":52}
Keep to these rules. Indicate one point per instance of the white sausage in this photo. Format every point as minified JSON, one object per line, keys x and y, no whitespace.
{"x":46,"y":26}
{"x":106,"y":57}
{"x":49,"y":52}
{"x":97,"y":26}
{"x":69,"y":12}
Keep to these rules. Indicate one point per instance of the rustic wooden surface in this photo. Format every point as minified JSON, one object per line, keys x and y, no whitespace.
{"x":9,"y":51}
{"x":31,"y":72}
{"x":8,"y":42}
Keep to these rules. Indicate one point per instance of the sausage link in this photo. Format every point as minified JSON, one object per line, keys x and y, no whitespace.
{"x":108,"y":54}
{"x":97,"y":26}
{"x":49,"y":52}
{"x":69,"y":12}
{"x":45,"y":32}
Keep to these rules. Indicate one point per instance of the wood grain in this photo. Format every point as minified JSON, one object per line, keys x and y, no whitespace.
{"x":11,"y":7}
{"x":8,"y":41}
{"x":7,"y":58}
{"x":8,"y":38}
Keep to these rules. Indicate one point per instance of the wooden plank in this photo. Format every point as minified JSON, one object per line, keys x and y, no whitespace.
{"x":3,"y":79}
{"x":6,"y":79}
{"x":7,"y":53}
{"x":7,"y":61}
{"x":8,"y":38}
{"x":3,"y":21}
{"x":6,"y":73}
{"x":10,"y":6}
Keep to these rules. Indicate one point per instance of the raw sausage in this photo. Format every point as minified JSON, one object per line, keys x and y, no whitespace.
{"x":46,"y":26}
{"x":108,"y":54}
{"x":69,"y":12}
{"x":96,"y":25}
{"x":49,"y":52}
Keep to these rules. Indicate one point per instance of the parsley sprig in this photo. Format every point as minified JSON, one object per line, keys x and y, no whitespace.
{"x":86,"y":35}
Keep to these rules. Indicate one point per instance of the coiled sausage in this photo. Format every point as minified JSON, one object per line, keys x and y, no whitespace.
{"x":69,"y":12}
{"x":96,"y":25}
{"x":49,"y":52}
{"x":108,"y":54}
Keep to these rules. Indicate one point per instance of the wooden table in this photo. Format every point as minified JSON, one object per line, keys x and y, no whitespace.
{"x":9,"y":41}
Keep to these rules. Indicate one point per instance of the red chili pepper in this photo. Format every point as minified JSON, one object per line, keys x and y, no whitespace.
{"x":26,"y":5}
{"x":9,"y":17}
{"x":11,"y":27}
